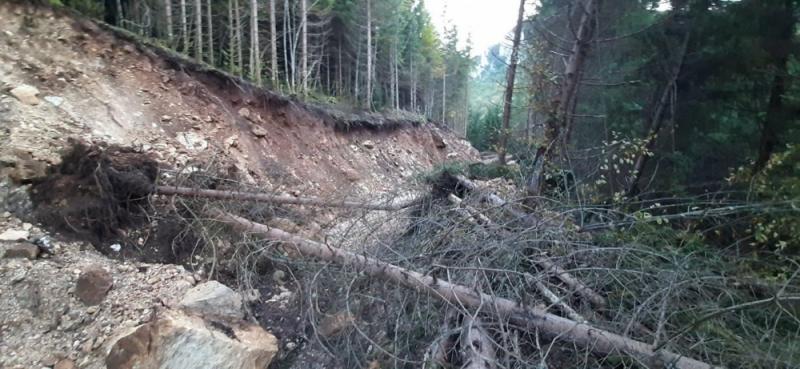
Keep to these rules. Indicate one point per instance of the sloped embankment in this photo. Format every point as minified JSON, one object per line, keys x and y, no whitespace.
{"x":72,"y":78}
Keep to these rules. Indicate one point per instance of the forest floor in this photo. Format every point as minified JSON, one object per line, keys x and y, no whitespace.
{"x":64,"y":80}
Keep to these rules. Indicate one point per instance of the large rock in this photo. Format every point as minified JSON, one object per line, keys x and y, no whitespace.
{"x":21,"y":250}
{"x":178,"y":341}
{"x":213,"y":299}
{"x":26,"y":94}
{"x":93,"y":285}
{"x":14,"y":235}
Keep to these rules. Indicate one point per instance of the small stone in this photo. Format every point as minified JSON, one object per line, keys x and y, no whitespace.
{"x":14,"y":235}
{"x":258,"y":131}
{"x":116,"y":247}
{"x":91,"y":310}
{"x":93,"y":285}
{"x":27,"y":226}
{"x":54,"y":100}
{"x":368,"y":144}
{"x":278,"y":276}
{"x":26,"y":94}
{"x":166,"y":118}
{"x":22,"y":250}
{"x":245,"y":113}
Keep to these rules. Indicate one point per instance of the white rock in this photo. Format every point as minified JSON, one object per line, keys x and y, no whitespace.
{"x":116,"y":247}
{"x":26,"y":94}
{"x":27,"y":226}
{"x":177,"y":340}
{"x":55,"y":100}
{"x":14,"y":235}
{"x":192,"y":141}
{"x":213,"y":299}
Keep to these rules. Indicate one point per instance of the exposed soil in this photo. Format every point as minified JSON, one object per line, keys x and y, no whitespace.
{"x":142,"y":116}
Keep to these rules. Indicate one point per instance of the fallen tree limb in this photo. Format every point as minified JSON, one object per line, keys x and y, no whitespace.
{"x":528,"y":318}
{"x":489,"y":197}
{"x":277,"y":199}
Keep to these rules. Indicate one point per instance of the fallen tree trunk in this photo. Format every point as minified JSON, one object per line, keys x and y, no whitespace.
{"x":528,"y":318}
{"x":277,"y":199}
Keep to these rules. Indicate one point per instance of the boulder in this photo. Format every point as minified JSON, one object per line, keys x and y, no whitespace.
{"x":213,"y":299}
{"x":176,"y":341}
{"x":26,"y":94}
{"x":14,"y":235}
{"x":21,"y":250}
{"x":93,"y":285}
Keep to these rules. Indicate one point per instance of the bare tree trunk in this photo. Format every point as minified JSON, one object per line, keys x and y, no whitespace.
{"x":184,"y":27}
{"x":276,"y":199}
{"x":511,"y":73}
{"x":558,"y":124}
{"x":198,"y":30}
{"x":210,"y":33}
{"x":231,"y":39}
{"x":304,"y":46}
{"x":273,"y":43}
{"x":239,"y":52}
{"x":255,"y":54}
{"x":444,"y":95}
{"x":368,"y":97}
{"x":656,"y":120}
{"x":120,"y":14}
{"x":413,"y":91}
{"x":526,"y":317}
{"x":168,"y":14}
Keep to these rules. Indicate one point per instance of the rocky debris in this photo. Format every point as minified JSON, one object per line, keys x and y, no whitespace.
{"x":26,"y":94}
{"x":192,"y":141}
{"x":93,"y":285}
{"x":27,"y":170}
{"x":177,"y":340}
{"x":215,"y":300}
{"x":258,"y":131}
{"x":13,"y":235}
{"x":21,"y":250}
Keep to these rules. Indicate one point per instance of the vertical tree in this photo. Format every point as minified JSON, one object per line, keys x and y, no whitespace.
{"x":255,"y":55}
{"x":198,"y":27}
{"x":304,"y":46}
{"x":184,"y":27}
{"x":511,"y":73}
{"x":168,"y":15}
{"x":368,"y":97}
{"x":210,"y":33}
{"x":273,"y":43}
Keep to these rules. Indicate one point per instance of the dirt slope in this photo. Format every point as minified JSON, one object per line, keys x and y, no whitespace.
{"x":96,"y":86}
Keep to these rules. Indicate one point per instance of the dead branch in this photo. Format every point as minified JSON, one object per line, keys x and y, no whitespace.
{"x":528,"y":318}
{"x":489,"y":197}
{"x":555,"y":299}
{"x":277,"y":199}
{"x":477,"y":349}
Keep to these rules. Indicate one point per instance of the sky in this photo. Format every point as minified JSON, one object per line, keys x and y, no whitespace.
{"x":487,"y":21}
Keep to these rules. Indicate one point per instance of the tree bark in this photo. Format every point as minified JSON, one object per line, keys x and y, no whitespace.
{"x":273,"y":43}
{"x":255,"y":54}
{"x":210,"y":32}
{"x":198,"y":30}
{"x":511,"y":73}
{"x":168,"y":15}
{"x":277,"y":199}
{"x":304,"y":47}
{"x":368,"y":97}
{"x":239,"y":52}
{"x":525,"y":317}
{"x":184,"y":27}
